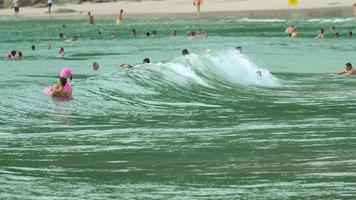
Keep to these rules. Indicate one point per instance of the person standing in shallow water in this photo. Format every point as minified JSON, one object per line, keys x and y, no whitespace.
{"x":90,"y":18}
{"x":119,"y":17}
{"x":16,"y":4}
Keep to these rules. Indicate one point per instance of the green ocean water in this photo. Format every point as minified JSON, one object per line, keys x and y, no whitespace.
{"x":203,"y":126}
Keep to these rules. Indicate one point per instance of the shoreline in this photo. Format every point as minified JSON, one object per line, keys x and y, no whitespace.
{"x":183,"y":9}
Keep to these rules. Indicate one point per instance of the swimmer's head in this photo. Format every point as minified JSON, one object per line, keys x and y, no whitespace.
{"x":63,"y":81}
{"x":33,"y":47}
{"x":95,"y":66}
{"x":259,"y":73}
{"x":239,"y":49}
{"x":185,"y":52}
{"x":66,"y":73}
{"x":322,"y":30}
{"x":348,"y":66}
{"x":146,"y":60}
{"x":13,"y":53}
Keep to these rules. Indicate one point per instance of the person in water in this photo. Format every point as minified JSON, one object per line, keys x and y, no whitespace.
{"x":348,"y":70}
{"x":90,"y":18}
{"x":95,"y":66}
{"x":239,"y":49}
{"x":61,"y":52}
{"x":33,"y":47}
{"x":119,"y":17}
{"x":133,"y":33}
{"x":145,"y":61}
{"x":321,"y":34}
{"x":185,"y":52}
{"x":63,"y":89}
{"x":292,"y":31}
{"x":174,"y":33}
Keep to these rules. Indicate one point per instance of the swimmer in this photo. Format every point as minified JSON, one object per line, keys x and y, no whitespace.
{"x":72,"y":39}
{"x":350,"y":34}
{"x":292,"y":31}
{"x":13,"y":54}
{"x":145,"y":61}
{"x":239,"y":49}
{"x":90,"y":18}
{"x":33,"y":47}
{"x":119,"y":17}
{"x":348,"y":70}
{"x":19,"y":56}
{"x":61,"y":35}
{"x":259,"y":73}
{"x":63,"y":89}
{"x":61,"y":52}
{"x":49,"y":47}
{"x":321,"y":34}
{"x":154,"y":33}
{"x":174,"y":33}
{"x":133,"y":33}
{"x":185,"y":52}
{"x":95,"y":66}
{"x":113,"y":34}
{"x":8,"y":57}
{"x":337,"y":35}
{"x":148,"y":34}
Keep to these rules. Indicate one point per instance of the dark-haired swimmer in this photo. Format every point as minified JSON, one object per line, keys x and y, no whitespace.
{"x":348,"y":70}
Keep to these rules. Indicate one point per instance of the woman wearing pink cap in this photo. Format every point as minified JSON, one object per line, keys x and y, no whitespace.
{"x":63,"y":89}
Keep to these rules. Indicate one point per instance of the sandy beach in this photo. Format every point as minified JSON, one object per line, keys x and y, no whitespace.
{"x":185,"y":9}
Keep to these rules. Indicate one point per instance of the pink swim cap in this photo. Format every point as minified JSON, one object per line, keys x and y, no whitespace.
{"x":65,"y":73}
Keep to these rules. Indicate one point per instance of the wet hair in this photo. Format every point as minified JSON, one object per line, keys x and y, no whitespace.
{"x":33,"y":47}
{"x":13,"y":53}
{"x":133,"y":31}
{"x":337,"y":34}
{"x":19,"y":54}
{"x":239,"y":48}
{"x":95,"y":66}
{"x":63,"y":81}
{"x":61,"y":35}
{"x":63,"y":25}
{"x":322,"y":30}
{"x":146,"y":60}
{"x":348,"y":65}
{"x":185,"y":52}
{"x":148,"y":34}
{"x":350,"y":33}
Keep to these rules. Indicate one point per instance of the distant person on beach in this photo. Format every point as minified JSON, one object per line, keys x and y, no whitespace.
{"x":90,"y":18}
{"x":348,"y":70}
{"x":16,"y":4}
{"x":49,"y":3}
{"x":321,"y":34}
{"x":198,"y":3}
{"x":95,"y":66}
{"x":133,"y":33}
{"x":61,"y":52}
{"x":119,"y":17}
